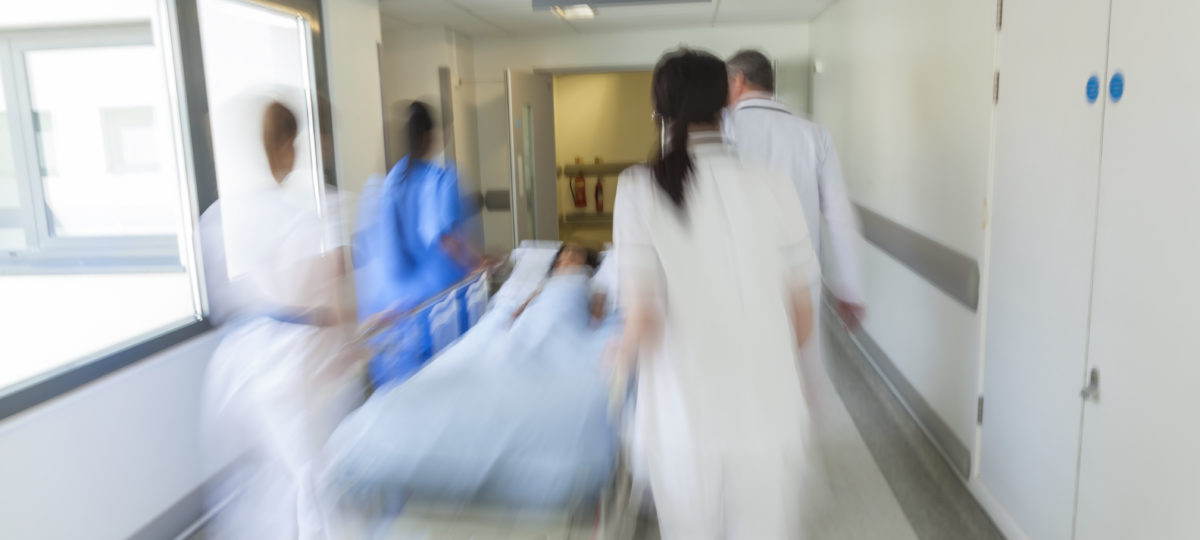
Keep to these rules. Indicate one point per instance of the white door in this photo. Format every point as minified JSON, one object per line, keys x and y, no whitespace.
{"x":1140,"y":460}
{"x":531,"y":141}
{"x":1042,"y":230}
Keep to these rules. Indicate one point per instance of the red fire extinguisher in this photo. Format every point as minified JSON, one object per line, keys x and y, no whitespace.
{"x":579,"y":188}
{"x":599,"y":194}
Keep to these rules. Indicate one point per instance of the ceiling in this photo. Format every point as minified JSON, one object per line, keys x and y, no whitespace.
{"x":497,"y":18}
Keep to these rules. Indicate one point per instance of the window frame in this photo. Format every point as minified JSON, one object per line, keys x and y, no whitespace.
{"x":44,"y":252}
{"x":187,"y":103}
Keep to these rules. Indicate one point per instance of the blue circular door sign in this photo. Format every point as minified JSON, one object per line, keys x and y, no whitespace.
{"x":1116,"y":87}
{"x":1093,"y":88}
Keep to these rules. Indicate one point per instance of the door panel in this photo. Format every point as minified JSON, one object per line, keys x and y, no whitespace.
{"x":1043,"y":225}
{"x":531,"y":141}
{"x":1140,"y":461}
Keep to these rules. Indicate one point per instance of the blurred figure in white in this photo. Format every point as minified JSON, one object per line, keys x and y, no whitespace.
{"x":767,"y":134}
{"x":713,"y":259}
{"x":286,"y":372}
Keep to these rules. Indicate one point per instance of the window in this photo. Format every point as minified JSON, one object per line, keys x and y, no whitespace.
{"x":96,"y":211}
{"x":129,"y":139}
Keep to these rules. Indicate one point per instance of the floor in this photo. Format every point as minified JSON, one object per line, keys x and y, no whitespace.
{"x":886,"y":480}
{"x":933,"y":500}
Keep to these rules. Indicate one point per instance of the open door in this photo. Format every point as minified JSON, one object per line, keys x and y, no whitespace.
{"x":531,"y":145}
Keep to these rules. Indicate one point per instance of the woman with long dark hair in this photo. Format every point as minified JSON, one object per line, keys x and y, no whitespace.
{"x":408,"y":245}
{"x":713,"y":261}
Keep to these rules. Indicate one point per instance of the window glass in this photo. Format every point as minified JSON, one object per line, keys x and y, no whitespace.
{"x":94,"y":209}
{"x":111,"y":184}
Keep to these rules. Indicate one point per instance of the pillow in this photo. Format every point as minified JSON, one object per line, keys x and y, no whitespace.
{"x":530,"y":266}
{"x":541,"y":244}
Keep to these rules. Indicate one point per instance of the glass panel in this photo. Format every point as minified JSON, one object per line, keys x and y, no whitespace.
{"x":12,"y":229}
{"x":103,"y":137}
{"x":104,"y":148}
{"x":530,"y":189}
{"x":254,"y":55}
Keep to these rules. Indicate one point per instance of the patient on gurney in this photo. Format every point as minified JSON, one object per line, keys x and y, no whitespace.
{"x":573,"y":259}
{"x":514,"y":414}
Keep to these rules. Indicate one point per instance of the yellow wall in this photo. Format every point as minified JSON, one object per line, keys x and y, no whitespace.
{"x":604,"y":115}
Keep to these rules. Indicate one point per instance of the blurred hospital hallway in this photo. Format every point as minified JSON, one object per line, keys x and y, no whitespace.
{"x":1003,"y":196}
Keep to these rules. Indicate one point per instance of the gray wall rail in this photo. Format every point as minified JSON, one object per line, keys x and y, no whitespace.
{"x":950,"y":271}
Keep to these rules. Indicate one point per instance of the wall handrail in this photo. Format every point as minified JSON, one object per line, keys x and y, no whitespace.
{"x":952,"y":272}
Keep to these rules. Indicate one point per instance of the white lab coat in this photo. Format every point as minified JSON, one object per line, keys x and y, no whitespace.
{"x":277,"y":385}
{"x":766,"y":134}
{"x":721,"y":426}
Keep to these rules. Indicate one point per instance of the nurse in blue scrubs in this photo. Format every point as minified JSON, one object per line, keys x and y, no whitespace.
{"x":409,"y":246}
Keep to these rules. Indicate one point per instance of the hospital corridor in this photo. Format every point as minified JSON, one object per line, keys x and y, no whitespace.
{"x":599,"y":269}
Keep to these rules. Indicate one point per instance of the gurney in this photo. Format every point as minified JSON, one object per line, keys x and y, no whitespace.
{"x":501,"y":457}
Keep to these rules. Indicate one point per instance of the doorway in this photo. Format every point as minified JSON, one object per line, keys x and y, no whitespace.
{"x":572,"y":135}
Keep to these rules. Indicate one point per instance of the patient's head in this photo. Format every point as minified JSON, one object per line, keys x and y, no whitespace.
{"x":573,"y":257}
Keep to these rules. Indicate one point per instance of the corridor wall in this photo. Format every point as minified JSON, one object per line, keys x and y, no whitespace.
{"x":905,"y":88}
{"x":354,"y":86}
{"x":105,"y":460}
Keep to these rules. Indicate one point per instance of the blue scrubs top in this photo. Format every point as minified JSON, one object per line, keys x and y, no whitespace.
{"x":398,"y":257}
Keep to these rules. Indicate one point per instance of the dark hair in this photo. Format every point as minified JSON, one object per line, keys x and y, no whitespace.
{"x":591,"y":259}
{"x":689,"y":87}
{"x":279,"y":128}
{"x":755,"y":67}
{"x":420,"y":132}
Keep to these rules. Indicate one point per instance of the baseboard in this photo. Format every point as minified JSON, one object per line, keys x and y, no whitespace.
{"x":939,"y":433}
{"x":1005,"y":522}
{"x":187,"y":515}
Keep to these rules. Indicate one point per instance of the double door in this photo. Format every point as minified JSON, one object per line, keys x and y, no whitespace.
{"x":1092,"y":334}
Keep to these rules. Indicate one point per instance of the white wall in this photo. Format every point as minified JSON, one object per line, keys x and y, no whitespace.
{"x":411,"y":58}
{"x":103,"y":461}
{"x":352,"y":33}
{"x":788,"y":44}
{"x":466,"y":119}
{"x":906,"y":90}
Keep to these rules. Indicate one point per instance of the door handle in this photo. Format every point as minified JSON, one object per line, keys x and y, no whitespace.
{"x":1092,"y":390}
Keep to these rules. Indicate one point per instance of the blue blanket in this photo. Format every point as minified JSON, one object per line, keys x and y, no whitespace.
{"x":513,"y":414}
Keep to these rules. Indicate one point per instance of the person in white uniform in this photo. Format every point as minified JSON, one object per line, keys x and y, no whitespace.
{"x":712,"y":273}
{"x":766,"y":133}
{"x":286,"y":371}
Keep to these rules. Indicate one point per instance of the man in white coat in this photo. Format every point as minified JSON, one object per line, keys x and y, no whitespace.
{"x":765,"y":133}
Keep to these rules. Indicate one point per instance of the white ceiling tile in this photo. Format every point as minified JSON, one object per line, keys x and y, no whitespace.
{"x":423,"y":11}
{"x":621,"y":17}
{"x":768,"y":10}
{"x":527,"y":5}
{"x":527,"y":22}
{"x":514,"y":17}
